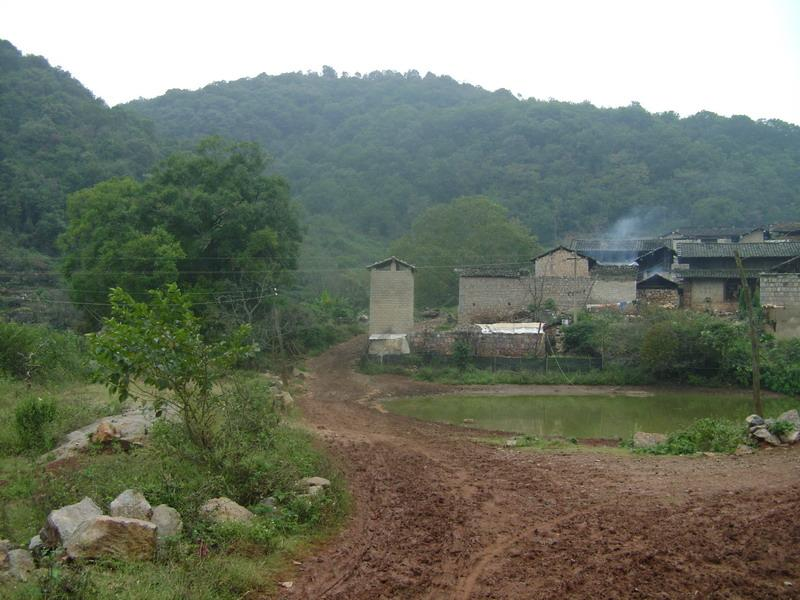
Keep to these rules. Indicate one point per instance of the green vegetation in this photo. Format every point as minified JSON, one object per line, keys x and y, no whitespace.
{"x":58,"y":138}
{"x":374,"y":151}
{"x":40,"y":353}
{"x":229,"y":439}
{"x":704,"y":435}
{"x":603,"y":415}
{"x":466,"y":231}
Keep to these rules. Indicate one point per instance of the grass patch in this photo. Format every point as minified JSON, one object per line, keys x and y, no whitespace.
{"x":704,"y":435}
{"x":206,"y":562}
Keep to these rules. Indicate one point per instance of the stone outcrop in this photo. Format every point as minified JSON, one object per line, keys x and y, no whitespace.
{"x":131,"y":504}
{"x":225,"y":510}
{"x":642,"y":439}
{"x":167,"y":521}
{"x":767,"y":430}
{"x":62,"y":523}
{"x":113,"y":537}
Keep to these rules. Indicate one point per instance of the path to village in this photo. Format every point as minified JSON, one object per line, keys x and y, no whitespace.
{"x":438,"y":515}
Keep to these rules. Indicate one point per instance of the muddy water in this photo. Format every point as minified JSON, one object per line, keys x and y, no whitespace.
{"x":612,"y":416}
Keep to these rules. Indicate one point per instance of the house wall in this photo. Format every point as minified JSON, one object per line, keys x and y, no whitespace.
{"x":697,"y":290}
{"x":493,"y":299}
{"x":753,"y":236}
{"x":515,"y":345}
{"x":561,"y":263}
{"x":613,"y":290}
{"x":781,"y":292}
{"x":391,"y":301}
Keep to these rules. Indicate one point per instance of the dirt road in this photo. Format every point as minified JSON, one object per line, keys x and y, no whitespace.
{"x":440,"y":516}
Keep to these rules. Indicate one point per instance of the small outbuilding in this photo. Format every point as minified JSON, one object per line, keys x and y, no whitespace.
{"x":391,"y":306}
{"x":658,"y":290}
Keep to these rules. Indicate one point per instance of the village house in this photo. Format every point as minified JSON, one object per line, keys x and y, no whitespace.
{"x":391,"y":306}
{"x":710,"y":278}
{"x":717,"y":235}
{"x":780,"y":298}
{"x":561,"y":278}
{"x":616,"y":251}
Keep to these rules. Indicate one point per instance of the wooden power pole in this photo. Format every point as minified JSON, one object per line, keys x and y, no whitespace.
{"x":754,"y":336}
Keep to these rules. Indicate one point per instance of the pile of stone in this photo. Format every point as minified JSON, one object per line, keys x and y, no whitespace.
{"x":131,"y":530}
{"x":761,"y":429}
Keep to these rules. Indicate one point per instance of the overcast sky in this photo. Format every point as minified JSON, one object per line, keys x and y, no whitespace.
{"x":730,"y":57}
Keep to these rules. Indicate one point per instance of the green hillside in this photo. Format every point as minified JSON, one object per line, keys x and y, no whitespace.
{"x":55,"y":138}
{"x":373,"y":151}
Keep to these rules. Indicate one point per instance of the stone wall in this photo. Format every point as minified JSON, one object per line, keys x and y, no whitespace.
{"x":391,"y":301}
{"x":513,"y":345}
{"x":780,"y":293}
{"x":561,"y":263}
{"x":659,"y":297}
{"x":492,"y":299}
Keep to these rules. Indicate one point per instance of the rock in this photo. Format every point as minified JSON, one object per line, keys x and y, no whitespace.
{"x":35,"y":544}
{"x":167,"y":520}
{"x":754,"y":420}
{"x":468,"y":421}
{"x":766,"y":436}
{"x":511,"y":442}
{"x":743,"y":449}
{"x":297,"y":373}
{"x":131,"y":504}
{"x":20,"y":564}
{"x":313,"y":481}
{"x":63,"y":522}
{"x":113,"y":537}
{"x":792,"y":416}
{"x":287,"y":584}
{"x":105,"y":433}
{"x":286,"y":399}
{"x":5,"y":548}
{"x":315,"y":490}
{"x":790,"y":438}
{"x":269,"y":502}
{"x":642,"y":439}
{"x":225,"y":510}
{"x":755,"y":428}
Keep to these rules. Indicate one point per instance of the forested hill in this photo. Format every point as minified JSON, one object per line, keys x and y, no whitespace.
{"x":55,"y":138}
{"x":372,"y":151}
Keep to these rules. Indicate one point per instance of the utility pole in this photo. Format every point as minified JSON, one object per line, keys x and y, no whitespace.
{"x":754,"y":346}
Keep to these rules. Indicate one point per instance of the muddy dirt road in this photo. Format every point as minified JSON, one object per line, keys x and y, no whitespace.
{"x":440,"y":516}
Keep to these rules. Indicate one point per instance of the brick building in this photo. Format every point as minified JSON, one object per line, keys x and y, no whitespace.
{"x":391,"y":297}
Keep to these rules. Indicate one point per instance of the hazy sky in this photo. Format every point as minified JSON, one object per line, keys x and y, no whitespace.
{"x":730,"y":57}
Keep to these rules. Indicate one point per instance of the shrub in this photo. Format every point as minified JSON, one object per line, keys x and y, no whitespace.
{"x":704,"y":435}
{"x":461,"y":354}
{"x":32,"y":419}
{"x":781,"y":427}
{"x":37,"y":352}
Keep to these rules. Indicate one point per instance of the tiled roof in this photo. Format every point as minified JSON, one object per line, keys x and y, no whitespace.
{"x":788,"y":266}
{"x":722,"y":232}
{"x":380,"y":263}
{"x":557,"y":248}
{"x":776,"y":249}
{"x":718,"y":273}
{"x":491,"y":272}
{"x":589,"y":246}
{"x":615,"y":271}
{"x":785,"y":227}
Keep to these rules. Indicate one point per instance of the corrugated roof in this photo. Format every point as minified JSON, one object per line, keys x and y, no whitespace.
{"x":589,"y":246}
{"x":776,"y":249}
{"x":514,"y":328}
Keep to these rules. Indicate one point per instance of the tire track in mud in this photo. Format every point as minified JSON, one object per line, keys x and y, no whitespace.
{"x":437,"y":515}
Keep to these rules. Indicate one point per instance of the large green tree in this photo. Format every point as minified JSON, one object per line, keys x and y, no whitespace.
{"x":208,"y":219}
{"x":468,"y":231}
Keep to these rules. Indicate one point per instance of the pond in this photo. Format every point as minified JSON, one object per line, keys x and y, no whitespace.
{"x":595,"y":416}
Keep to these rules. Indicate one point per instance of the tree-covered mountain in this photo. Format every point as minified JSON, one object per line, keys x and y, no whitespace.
{"x":56,"y":138}
{"x":374,"y":151}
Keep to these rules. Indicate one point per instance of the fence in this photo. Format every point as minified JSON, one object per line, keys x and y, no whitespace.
{"x":545,"y":364}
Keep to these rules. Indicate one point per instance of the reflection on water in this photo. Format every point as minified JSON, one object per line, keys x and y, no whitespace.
{"x":579,"y":416}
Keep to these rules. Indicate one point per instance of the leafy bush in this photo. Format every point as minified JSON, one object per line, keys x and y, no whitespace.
{"x":39,"y":353}
{"x":461,"y":354}
{"x":781,"y":427}
{"x":32,"y":419}
{"x":704,"y":435}
{"x":781,"y":370}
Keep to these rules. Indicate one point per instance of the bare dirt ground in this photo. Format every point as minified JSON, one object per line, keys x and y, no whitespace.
{"x":438,"y":515}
